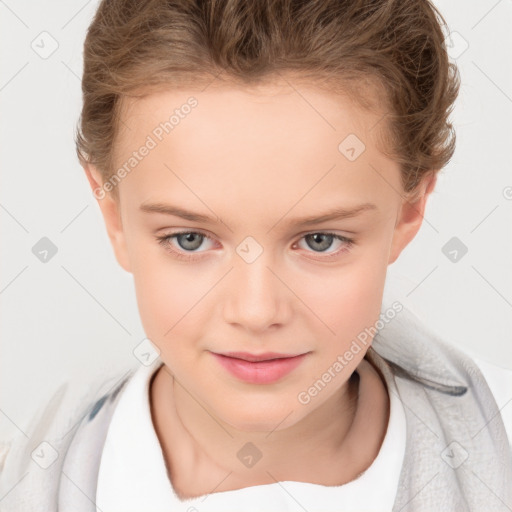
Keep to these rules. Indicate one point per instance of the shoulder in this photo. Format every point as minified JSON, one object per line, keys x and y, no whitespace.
{"x":499,"y":380}
{"x":31,"y":463}
{"x":424,"y":360}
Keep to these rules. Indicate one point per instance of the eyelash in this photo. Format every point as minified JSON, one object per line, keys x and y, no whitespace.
{"x":164,"y":241}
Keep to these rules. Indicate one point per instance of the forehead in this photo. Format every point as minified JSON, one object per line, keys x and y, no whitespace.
{"x":246,"y":139}
{"x":255,"y":109}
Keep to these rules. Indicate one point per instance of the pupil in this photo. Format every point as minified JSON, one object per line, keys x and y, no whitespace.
{"x":189,"y":239}
{"x":318,"y":238}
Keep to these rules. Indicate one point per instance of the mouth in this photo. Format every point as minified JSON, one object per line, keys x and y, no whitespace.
{"x":254,"y":358}
{"x":259,"y":368}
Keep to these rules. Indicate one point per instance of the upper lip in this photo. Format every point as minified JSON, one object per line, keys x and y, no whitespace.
{"x":266,"y":356}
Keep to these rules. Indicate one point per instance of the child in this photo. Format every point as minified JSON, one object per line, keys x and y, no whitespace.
{"x":258,"y":166}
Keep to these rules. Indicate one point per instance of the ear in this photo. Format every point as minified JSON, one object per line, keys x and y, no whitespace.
{"x":110,"y":210}
{"x":410,"y":215}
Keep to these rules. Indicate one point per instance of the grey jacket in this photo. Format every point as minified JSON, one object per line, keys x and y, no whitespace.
{"x":457,"y":456}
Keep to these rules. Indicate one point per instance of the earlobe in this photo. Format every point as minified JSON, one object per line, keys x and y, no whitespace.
{"x":110,"y":209}
{"x":410,"y":216}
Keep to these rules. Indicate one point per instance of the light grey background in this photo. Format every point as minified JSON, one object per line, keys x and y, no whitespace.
{"x":74,"y":318}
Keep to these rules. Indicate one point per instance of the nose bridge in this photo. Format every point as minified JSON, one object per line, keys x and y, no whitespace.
{"x":256,"y":298}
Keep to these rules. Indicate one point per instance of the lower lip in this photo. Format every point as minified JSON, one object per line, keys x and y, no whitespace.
{"x":260,"y":372}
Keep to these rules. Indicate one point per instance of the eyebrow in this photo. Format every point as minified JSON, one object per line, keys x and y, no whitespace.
{"x":335,"y":214}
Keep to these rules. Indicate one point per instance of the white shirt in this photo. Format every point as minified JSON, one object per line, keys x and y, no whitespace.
{"x":133,"y":475}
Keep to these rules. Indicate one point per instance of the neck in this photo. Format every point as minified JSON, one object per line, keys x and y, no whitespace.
{"x":330,"y":446}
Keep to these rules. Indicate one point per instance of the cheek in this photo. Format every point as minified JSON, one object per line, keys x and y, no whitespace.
{"x":169,"y":301}
{"x":167,"y":291}
{"x":348,"y":298}
{"x":167,"y":296}
{"x":362,"y":302}
{"x":340,"y":301}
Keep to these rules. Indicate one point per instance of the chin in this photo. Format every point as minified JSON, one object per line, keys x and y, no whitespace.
{"x":259,"y":419}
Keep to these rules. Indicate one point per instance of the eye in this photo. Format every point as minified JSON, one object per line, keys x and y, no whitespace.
{"x":321,"y":241}
{"x":183,"y":242}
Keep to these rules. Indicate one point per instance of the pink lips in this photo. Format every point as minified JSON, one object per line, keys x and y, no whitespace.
{"x":260,"y":368}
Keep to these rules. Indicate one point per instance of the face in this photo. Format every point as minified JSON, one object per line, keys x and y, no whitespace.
{"x":215,"y":222}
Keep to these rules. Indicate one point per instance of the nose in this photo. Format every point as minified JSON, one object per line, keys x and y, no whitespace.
{"x":256,"y":298}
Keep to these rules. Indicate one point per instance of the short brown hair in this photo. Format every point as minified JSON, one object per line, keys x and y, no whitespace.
{"x":394,"y":48}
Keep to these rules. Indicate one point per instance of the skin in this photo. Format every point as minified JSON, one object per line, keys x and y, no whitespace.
{"x":255,"y":160}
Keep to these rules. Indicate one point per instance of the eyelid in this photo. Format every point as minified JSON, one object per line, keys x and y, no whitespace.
{"x":334,"y":232}
{"x":187,"y":232}
{"x":348,"y":243}
{"x":164,"y":240}
{"x":302,"y":234}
